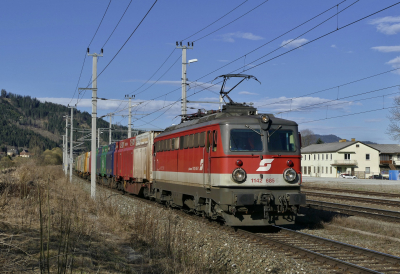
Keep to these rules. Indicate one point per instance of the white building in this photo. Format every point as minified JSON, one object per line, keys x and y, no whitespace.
{"x":333,"y":159}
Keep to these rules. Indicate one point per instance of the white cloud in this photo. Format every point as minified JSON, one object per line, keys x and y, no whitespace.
{"x":291,"y":43}
{"x":333,"y":46}
{"x":85,"y":103}
{"x":303,"y":104}
{"x":229,"y":37}
{"x":395,"y":64}
{"x":387,"y":25}
{"x":387,"y":48}
{"x":247,"y":93}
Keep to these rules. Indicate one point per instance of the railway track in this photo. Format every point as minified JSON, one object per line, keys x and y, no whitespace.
{"x":354,"y":198}
{"x":331,"y":255}
{"x":385,"y":215}
{"x":349,"y":191}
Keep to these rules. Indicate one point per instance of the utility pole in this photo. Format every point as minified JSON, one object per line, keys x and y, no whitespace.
{"x":130,"y":115}
{"x":71,"y":145}
{"x":98,"y":137}
{"x":63,"y":164}
{"x":94,"y":114}
{"x":184,"y":48}
{"x":109,"y":134}
{"x":66,"y":146}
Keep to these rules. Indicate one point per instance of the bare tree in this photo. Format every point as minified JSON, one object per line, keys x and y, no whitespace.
{"x":307,"y":137}
{"x":394,"y":120}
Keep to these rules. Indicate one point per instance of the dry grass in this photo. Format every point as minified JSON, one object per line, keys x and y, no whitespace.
{"x":50,"y":225}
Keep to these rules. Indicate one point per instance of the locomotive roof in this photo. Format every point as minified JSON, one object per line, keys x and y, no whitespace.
{"x":232,"y":115}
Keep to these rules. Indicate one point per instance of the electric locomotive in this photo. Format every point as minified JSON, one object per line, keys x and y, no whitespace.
{"x":234,"y":164}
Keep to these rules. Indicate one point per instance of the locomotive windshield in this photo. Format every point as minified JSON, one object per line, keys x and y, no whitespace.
{"x":281,"y":140}
{"x":245,"y":140}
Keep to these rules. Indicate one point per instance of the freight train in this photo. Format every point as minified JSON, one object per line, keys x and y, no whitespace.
{"x":233,"y":164}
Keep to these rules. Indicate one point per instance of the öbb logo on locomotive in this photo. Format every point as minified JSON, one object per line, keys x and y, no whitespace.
{"x":265,"y":165}
{"x":234,"y":165}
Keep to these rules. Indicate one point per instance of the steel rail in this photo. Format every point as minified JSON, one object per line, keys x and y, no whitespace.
{"x":353,"y":198}
{"x":387,"y":215}
{"x":323,"y":259}
{"x":360,"y":192}
{"x":380,"y":258}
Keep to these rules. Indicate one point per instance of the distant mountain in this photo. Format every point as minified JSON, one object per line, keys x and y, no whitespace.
{"x":334,"y":139}
{"x":27,"y":122}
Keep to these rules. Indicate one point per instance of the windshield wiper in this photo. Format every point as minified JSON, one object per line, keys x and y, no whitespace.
{"x":254,"y":130}
{"x":269,"y":135}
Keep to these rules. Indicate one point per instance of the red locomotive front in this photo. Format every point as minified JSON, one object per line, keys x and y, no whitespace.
{"x":235,"y":165}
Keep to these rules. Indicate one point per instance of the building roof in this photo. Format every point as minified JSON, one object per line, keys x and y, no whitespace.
{"x":387,"y":148}
{"x":330,"y":147}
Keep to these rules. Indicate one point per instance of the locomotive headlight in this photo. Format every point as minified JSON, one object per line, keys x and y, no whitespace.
{"x":289,"y":174}
{"x":239,"y":175}
{"x":265,"y":118}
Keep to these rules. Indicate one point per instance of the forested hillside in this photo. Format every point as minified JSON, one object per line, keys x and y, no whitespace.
{"x":27,"y":122}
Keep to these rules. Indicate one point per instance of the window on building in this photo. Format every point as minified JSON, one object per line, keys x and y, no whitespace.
{"x":318,"y":169}
{"x":322,"y":170}
{"x":331,"y":156}
{"x":305,"y":170}
{"x":326,"y":156}
{"x":318,"y":157}
{"x":314,"y":156}
{"x":326,"y":170}
{"x":366,"y":156}
{"x":314,"y":169}
{"x":347,"y":156}
{"x":357,"y":145}
{"x":309,"y":155}
{"x":331,"y":170}
{"x":322,"y":156}
{"x":309,"y":170}
{"x":367,"y":170}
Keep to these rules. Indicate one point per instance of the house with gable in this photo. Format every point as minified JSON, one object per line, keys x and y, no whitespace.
{"x":333,"y":159}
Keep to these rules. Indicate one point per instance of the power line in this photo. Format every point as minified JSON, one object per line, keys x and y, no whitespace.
{"x":215,"y":21}
{"x":322,"y":36}
{"x":100,"y":24}
{"x":154,"y":72}
{"x":79,"y":79}
{"x":231,"y":21}
{"x":124,"y":43}
{"x":345,"y":115}
{"x":203,"y":36}
{"x":358,"y":94}
{"x":287,"y":51}
{"x":334,"y":87}
{"x":84,"y":59}
{"x":112,"y":59}
{"x":117,"y":24}
{"x":160,"y":76}
{"x":264,"y":45}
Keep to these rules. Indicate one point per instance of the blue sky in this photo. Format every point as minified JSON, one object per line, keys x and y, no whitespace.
{"x":43,"y":44}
